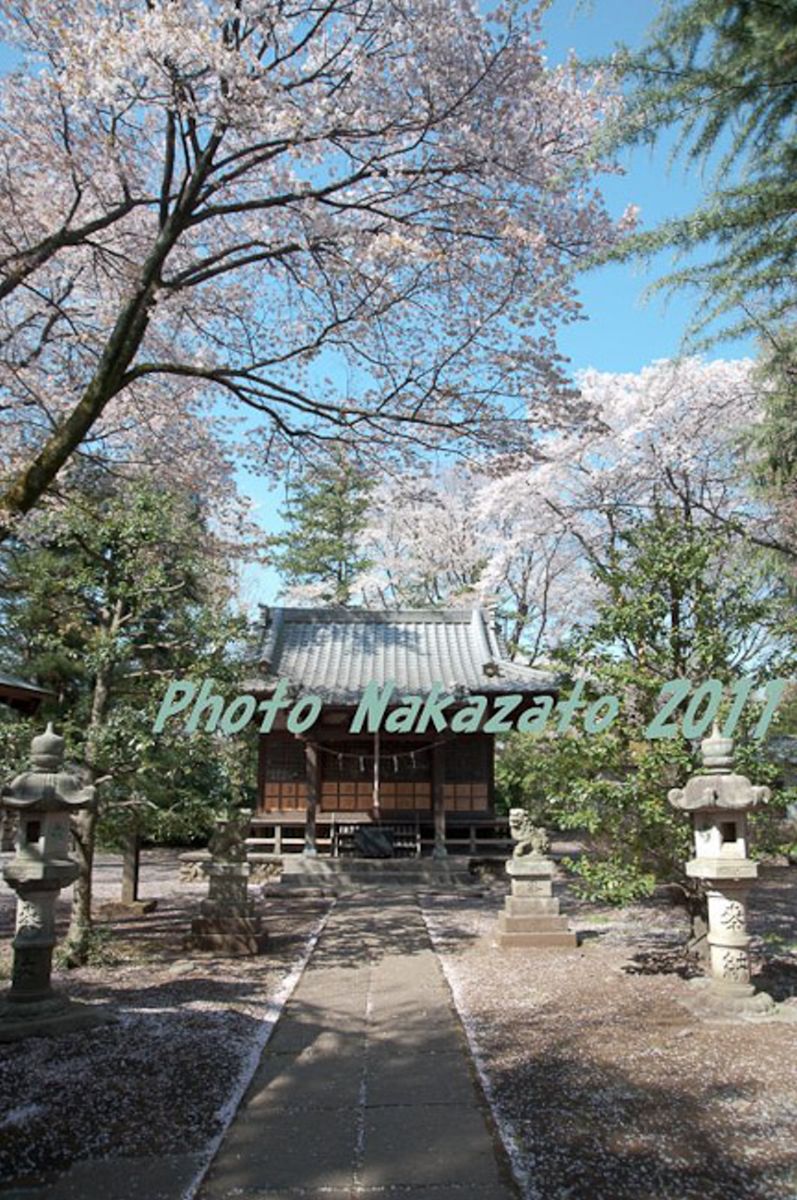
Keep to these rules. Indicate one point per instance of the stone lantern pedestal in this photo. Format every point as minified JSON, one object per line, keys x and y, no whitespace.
{"x":43,"y":799}
{"x":719,"y":801}
{"x":229,"y":923}
{"x":531,"y":915}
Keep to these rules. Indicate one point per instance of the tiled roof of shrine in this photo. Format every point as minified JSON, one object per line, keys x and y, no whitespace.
{"x":334,"y":653}
{"x":20,"y":692}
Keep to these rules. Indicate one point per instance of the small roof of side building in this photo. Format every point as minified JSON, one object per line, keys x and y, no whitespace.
{"x":20,"y":693}
{"x":335,"y":653}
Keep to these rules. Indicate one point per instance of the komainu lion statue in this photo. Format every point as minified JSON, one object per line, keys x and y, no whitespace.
{"x":530,"y":840}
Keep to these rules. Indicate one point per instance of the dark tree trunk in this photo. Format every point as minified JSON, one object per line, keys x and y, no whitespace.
{"x":130,"y":867}
{"x":84,"y":824}
{"x":692,"y":897}
{"x":78,"y":939}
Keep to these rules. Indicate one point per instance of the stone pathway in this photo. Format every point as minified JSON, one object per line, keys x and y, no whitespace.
{"x":365,"y":1088}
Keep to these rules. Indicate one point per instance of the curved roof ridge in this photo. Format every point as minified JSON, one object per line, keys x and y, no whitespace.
{"x":335,"y":653}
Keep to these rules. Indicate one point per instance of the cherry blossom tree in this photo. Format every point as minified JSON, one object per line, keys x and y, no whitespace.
{"x":212,"y":208}
{"x":440,"y":540}
{"x":424,"y":542}
{"x":675,"y":433}
{"x":535,"y":542}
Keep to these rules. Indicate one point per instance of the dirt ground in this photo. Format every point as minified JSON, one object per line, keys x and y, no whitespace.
{"x":157,"y":1081}
{"x":608,"y":1086}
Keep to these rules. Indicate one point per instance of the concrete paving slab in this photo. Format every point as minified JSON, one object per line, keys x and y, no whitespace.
{"x":447,"y":1144}
{"x":314,"y":1081}
{"x":406,"y":1040}
{"x":395,"y":1078}
{"x":332,"y":985}
{"x":426,"y":1012}
{"x":457,"y":1191}
{"x":292,"y":1194}
{"x":282,"y":1149}
{"x":366,"y":1087}
{"x":294,"y":1036}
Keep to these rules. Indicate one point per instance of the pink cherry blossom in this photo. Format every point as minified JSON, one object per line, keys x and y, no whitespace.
{"x":354,"y":221}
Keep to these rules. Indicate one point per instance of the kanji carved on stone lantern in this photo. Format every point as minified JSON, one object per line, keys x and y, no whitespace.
{"x":719,"y":802}
{"x":43,"y":799}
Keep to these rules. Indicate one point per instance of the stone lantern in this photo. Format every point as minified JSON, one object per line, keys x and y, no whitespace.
{"x":719,"y":802}
{"x":43,"y":798}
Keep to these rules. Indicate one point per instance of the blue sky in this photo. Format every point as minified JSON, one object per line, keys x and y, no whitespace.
{"x":623,"y":332}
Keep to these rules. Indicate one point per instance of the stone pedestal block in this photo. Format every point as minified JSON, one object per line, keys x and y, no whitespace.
{"x":530,"y":906}
{"x":531,"y":915}
{"x":229,"y":937}
{"x":212,"y":908}
{"x":229,"y":924}
{"x":49,"y":1017}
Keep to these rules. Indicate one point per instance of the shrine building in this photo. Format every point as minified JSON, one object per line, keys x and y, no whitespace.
{"x":430,"y":793}
{"x":21,"y":694}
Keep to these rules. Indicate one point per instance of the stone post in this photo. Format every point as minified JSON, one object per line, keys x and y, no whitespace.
{"x":531,"y":913}
{"x":43,"y":799}
{"x":229,"y":924}
{"x":440,"y":851}
{"x":719,"y":801}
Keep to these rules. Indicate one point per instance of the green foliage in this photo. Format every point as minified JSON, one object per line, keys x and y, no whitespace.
{"x":611,"y":790}
{"x":683,"y":600}
{"x":774,"y":440}
{"x":785,"y":719}
{"x":609,"y":879}
{"x":777,"y":435}
{"x":99,"y":951}
{"x":325,"y":514}
{"x":183,"y":788}
{"x":678,"y":602}
{"x":722,"y":74}
{"x":109,"y":597}
{"x":15,"y":735}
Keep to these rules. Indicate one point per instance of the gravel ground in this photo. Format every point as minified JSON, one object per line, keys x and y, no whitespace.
{"x":158,"y":1080}
{"x":606,"y":1085}
{"x":610,"y":1089}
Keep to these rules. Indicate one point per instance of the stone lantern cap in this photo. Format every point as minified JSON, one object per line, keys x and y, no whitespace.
{"x":47,"y":788}
{"x":729,"y":791}
{"x":718,"y":786}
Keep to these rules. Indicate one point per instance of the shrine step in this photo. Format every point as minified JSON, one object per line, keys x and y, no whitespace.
{"x":300,"y":872}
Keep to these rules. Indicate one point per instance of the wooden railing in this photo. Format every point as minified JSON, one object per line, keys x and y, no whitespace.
{"x":412,"y":837}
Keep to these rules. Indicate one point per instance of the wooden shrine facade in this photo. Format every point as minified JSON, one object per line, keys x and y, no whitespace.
{"x":329,"y":778}
{"x":351,"y":780}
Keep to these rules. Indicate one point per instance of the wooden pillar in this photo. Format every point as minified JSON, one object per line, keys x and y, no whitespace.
{"x":131,"y":858}
{"x":438,"y":801}
{"x":313,"y":796}
{"x":261,"y":774}
{"x":375,"y":804}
